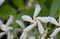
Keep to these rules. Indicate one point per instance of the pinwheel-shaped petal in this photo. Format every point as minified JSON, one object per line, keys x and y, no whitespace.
{"x":2,"y":33}
{"x":53,"y":21}
{"x":29,"y":27}
{"x":37,"y":10}
{"x":10,"y":20}
{"x":8,"y":35}
{"x":27,"y":18}
{"x":48,"y":19}
{"x":55,"y":32}
{"x":24,"y":35}
{"x":44,"y":19}
{"x":44,"y":35}
{"x":51,"y":38}
{"x":20,"y":23}
{"x":40,"y":28}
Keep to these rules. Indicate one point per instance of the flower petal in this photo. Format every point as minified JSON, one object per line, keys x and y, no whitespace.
{"x":59,"y":18}
{"x":5,"y":28}
{"x":21,"y":24}
{"x":1,"y":2}
{"x":51,"y":38}
{"x":44,"y":19}
{"x":53,"y":21}
{"x":55,"y":32}
{"x":37,"y":10}
{"x":31,"y":37}
{"x":27,"y":18}
{"x":40,"y":28}
{"x":29,"y":27}
{"x":10,"y":20}
{"x":44,"y":35}
{"x":1,"y":23}
{"x":23,"y":36}
{"x":2,"y":33}
{"x":8,"y":35}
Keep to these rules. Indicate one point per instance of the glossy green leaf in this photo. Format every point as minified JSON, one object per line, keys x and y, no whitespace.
{"x":6,"y":10}
{"x":19,"y":3}
{"x":54,"y":7}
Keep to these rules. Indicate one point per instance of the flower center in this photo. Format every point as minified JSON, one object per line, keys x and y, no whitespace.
{"x":35,"y":20}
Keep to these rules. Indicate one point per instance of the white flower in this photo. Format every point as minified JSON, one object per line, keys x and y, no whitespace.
{"x":6,"y":27}
{"x":34,"y":21}
{"x":38,"y":20}
{"x":1,"y":2}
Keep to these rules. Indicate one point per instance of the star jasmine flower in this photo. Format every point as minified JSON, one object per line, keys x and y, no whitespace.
{"x":34,"y":21}
{"x":38,"y":20}
{"x":6,"y":27}
{"x":1,"y":2}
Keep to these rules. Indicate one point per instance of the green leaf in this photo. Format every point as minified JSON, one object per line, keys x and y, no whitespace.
{"x":19,"y":3}
{"x":6,"y":10}
{"x":54,"y":7}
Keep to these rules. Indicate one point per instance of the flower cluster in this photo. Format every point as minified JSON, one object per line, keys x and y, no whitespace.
{"x":36,"y":21}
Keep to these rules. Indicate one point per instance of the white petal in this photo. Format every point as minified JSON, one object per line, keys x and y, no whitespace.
{"x":44,"y":35}
{"x":53,"y":21}
{"x":1,"y":23}
{"x":27,"y":18}
{"x":2,"y":33}
{"x":8,"y":35}
{"x":23,"y":36}
{"x":1,"y":2}
{"x":51,"y":38}
{"x":31,"y":37}
{"x":44,"y":19}
{"x":21,"y":24}
{"x":10,"y":20}
{"x":40,"y":28}
{"x":55,"y":32}
{"x":29,"y":27}
{"x":37,"y":10}
{"x":5,"y":28}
